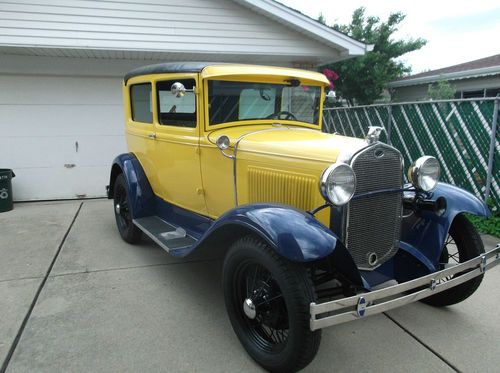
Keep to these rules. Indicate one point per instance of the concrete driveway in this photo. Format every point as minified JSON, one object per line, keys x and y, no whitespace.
{"x":75,"y":297}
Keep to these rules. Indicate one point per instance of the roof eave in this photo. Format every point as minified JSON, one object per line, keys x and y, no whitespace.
{"x":466,"y":74}
{"x":303,"y":24}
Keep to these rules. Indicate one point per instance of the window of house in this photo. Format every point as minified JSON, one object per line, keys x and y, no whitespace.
{"x":176,"y":111}
{"x":473,"y":94}
{"x":493,"y":92}
{"x":140,"y":100}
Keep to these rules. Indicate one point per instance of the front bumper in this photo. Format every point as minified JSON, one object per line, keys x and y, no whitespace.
{"x":378,"y":301}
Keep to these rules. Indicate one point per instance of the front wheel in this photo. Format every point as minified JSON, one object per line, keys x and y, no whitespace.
{"x":462,"y":244}
{"x":267,"y":299}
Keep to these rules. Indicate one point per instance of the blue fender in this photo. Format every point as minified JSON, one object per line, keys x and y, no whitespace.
{"x":293,"y":234}
{"x":427,"y":232}
{"x":142,"y":198}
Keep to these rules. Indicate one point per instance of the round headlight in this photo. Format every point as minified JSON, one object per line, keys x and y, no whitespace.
{"x":424,"y":173}
{"x":338,"y":184}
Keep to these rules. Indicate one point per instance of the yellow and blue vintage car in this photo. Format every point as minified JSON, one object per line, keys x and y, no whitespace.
{"x":318,"y":229}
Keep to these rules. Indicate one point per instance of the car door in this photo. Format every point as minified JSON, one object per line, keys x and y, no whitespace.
{"x":139,"y":127}
{"x":177,"y":150}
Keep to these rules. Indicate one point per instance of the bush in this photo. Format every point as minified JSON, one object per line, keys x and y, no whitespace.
{"x":488,"y":225}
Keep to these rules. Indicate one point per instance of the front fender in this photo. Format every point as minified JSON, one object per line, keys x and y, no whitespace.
{"x":426,"y":231}
{"x":142,"y":198}
{"x":293,"y":234}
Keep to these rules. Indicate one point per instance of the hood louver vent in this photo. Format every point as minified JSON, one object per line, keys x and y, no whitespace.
{"x":272,"y":186}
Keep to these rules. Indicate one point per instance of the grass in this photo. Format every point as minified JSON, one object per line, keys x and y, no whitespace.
{"x":488,"y":225}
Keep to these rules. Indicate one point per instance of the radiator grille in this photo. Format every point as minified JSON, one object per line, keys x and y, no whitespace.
{"x":267,"y":185}
{"x":374,"y":222}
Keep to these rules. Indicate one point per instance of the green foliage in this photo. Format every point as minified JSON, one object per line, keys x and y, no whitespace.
{"x":363,"y":79}
{"x":441,"y":90}
{"x":489,"y":225}
{"x":322,"y":19}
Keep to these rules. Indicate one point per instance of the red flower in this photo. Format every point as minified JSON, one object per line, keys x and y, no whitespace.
{"x":331,"y":76}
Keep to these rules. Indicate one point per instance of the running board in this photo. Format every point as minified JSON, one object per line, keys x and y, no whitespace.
{"x":165,"y":234}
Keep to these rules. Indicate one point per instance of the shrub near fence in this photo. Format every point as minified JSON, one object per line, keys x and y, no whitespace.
{"x":462,"y":134}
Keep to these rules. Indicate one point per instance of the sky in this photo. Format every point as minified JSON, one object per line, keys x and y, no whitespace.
{"x":456,"y":31}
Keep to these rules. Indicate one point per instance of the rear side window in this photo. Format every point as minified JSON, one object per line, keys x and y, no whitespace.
{"x":140,"y":100}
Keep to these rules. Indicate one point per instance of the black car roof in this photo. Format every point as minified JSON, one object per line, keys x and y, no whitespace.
{"x":168,"y":67}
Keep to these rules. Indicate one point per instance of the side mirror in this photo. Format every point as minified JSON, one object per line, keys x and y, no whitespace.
{"x":330,"y":96}
{"x":178,"y":89}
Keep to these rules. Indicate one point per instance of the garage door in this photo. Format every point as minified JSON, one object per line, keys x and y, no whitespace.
{"x":60,"y":134}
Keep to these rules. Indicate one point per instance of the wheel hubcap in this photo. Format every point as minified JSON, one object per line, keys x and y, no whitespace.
{"x":249,"y":309}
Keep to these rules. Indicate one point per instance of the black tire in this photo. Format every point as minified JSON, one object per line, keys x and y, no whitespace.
{"x":463,"y":243}
{"x":278,"y":337}
{"x":123,"y":213}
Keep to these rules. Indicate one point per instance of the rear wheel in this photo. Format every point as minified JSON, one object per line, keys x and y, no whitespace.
{"x":123,"y":213}
{"x":463,"y":243}
{"x":267,"y":299}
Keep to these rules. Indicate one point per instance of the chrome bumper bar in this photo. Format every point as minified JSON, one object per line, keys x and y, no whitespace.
{"x":378,"y":301}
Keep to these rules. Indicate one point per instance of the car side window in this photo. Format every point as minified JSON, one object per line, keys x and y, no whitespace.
{"x":173,"y":110}
{"x":140,"y":102}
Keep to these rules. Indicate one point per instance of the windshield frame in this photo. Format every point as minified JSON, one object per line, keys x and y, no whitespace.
{"x":262,"y":80}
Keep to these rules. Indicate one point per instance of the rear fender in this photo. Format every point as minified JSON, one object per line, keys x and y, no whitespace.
{"x":142,"y":198}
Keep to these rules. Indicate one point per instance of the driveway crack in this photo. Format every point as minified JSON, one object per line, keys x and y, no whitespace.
{"x":6,"y":362}
{"x":425,"y":345}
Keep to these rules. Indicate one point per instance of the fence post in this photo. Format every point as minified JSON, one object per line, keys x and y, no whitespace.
{"x":492,"y":150}
{"x":389,"y":124}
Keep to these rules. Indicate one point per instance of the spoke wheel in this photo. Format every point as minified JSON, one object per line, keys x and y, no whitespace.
{"x":462,"y":244}
{"x":263,"y":306}
{"x":123,"y":213}
{"x":267,"y":299}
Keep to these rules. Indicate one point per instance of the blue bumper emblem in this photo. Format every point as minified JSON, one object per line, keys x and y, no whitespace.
{"x":361,"y":308}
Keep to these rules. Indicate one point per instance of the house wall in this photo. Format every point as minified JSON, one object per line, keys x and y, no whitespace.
{"x":62,"y":63}
{"x":419,"y":92}
{"x":105,"y":29}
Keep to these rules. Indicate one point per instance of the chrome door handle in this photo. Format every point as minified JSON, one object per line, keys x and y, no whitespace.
{"x":152,"y":135}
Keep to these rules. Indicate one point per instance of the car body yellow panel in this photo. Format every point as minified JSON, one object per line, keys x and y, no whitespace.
{"x":169,"y":154}
{"x":277,"y":161}
{"x":271,"y":73}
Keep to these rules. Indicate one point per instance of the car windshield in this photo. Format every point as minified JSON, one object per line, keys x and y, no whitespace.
{"x":242,"y":101}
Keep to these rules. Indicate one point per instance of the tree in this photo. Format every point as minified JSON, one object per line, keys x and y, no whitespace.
{"x":363,"y":79}
{"x":442,"y":90}
{"x":321,"y":18}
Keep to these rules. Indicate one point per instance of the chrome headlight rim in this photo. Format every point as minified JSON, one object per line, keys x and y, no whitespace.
{"x":417,"y":172}
{"x":323,"y":185}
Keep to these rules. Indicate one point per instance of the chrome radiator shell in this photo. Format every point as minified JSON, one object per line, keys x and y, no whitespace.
{"x":373,"y":223}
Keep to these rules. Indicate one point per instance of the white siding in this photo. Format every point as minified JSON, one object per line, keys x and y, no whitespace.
{"x":210,"y":27}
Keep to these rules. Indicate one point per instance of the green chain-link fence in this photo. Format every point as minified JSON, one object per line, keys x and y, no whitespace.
{"x":462,"y":134}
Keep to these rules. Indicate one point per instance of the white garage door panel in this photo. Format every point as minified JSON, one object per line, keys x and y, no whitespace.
{"x":60,"y":134}
{"x":55,"y":152}
{"x":34,"y":152}
{"x":30,"y":184}
{"x":61,"y":120}
{"x":50,"y":90}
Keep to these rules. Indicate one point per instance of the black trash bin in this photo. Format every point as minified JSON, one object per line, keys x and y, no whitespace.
{"x":6,"y":201}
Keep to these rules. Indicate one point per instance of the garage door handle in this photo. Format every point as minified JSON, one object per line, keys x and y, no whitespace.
{"x":152,"y":135}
